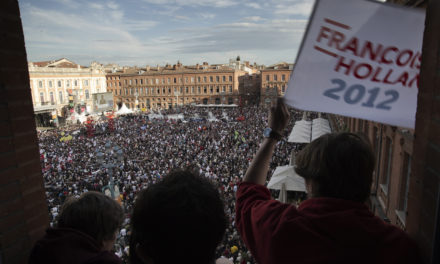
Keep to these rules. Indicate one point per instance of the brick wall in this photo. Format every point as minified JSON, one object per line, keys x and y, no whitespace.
{"x":424,"y":185}
{"x":23,"y":208}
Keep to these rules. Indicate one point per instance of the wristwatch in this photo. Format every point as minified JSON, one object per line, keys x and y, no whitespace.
{"x":269,"y":133}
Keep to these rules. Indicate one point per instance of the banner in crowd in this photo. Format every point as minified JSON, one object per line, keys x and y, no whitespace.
{"x":102,"y":102}
{"x":360,"y":59}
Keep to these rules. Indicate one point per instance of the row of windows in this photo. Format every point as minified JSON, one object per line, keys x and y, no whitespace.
{"x":60,"y":97}
{"x":283,"y":88}
{"x":169,"y":102}
{"x":275,"y":77}
{"x":59,"y":83}
{"x":167,"y":90}
{"x":177,"y":80}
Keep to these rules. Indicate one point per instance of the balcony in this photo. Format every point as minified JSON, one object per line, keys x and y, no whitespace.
{"x":44,"y":107}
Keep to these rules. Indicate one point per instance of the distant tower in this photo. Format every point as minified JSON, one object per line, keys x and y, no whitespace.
{"x":238,"y":58}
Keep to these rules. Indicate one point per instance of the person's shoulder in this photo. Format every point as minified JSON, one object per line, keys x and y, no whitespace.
{"x":105,"y":257}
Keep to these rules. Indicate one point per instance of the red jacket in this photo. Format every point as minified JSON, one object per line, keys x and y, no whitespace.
{"x":320,"y":230}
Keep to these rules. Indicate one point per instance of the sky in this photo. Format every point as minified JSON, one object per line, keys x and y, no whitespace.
{"x":156,"y":32}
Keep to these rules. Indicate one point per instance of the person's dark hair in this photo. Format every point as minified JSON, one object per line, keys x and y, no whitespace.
{"x":93,"y":213}
{"x":338,"y":165}
{"x":179,"y":219}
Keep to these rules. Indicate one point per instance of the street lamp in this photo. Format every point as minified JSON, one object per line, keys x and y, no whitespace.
{"x":115,"y":157}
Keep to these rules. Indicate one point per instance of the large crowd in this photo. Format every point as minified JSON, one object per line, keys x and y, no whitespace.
{"x":220,"y":150}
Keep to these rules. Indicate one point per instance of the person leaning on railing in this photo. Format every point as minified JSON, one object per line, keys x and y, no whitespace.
{"x":334,"y":225}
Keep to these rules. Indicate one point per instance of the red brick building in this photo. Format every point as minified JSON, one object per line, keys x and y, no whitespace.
{"x":169,"y":86}
{"x":274,"y":80}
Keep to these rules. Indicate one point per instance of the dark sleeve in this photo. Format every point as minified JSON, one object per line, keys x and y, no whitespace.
{"x":258,"y":217}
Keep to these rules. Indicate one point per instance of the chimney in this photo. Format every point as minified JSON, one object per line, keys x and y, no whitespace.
{"x":158,"y":67}
{"x":147,"y":68}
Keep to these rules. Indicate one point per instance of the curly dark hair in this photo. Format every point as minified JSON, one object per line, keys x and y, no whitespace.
{"x":180,"y":218}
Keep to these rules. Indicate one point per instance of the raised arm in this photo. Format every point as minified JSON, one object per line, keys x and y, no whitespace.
{"x":278,"y":119}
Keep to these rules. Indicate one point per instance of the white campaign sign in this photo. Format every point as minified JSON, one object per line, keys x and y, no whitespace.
{"x":360,"y":59}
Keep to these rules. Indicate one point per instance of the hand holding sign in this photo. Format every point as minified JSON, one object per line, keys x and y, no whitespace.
{"x":357,"y":59}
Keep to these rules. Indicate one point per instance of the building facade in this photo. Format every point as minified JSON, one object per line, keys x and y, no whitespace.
{"x":54,"y":83}
{"x":176,"y":85}
{"x":274,"y":81}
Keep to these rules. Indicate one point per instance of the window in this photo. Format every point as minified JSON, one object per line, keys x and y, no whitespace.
{"x":211,"y":89}
{"x":146,"y":90}
{"x":230,"y":78}
{"x":217,"y":89}
{"x":157,"y":81}
{"x":198,"y":79}
{"x":283,"y":77}
{"x":224,"y":78}
{"x":192,"y":79}
{"x":76,"y":83}
{"x":130,"y":82}
{"x":267,"y":78}
{"x":186,"y":89}
{"x":175,"y":80}
{"x":224,"y":88}
{"x":387,"y":166}
{"x":169,"y":90}
{"x":42,"y":97}
{"x":283,"y":88}
{"x":204,"y":89}
{"x":211,"y":79}
{"x":186,"y":79}
{"x":163,"y":80}
{"x":198,"y":89}
{"x":217,"y":78}
{"x":136,"y":81}
{"x":87,"y":94}
{"x":50,"y":83}
{"x":97,"y":82}
{"x":204,"y":78}
{"x":52,"y":100}
{"x":230,"y":88}
{"x":40,"y":84}
{"x":86,"y":82}
{"x":192,"y":89}
{"x":61,"y":96}
{"x":275,"y":77}
{"x":59,"y":83}
{"x":163,"y":90}
{"x":141,"y":81}
{"x":180,"y":80}
{"x":404,"y":188}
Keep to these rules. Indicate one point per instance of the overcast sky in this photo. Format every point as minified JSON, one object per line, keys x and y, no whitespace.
{"x":141,"y":32}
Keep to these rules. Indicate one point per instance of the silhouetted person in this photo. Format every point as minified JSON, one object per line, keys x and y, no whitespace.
{"x":180,"y":219}
{"x":86,"y":232}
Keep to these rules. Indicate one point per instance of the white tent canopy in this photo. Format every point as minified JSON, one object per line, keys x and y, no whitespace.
{"x":320,"y":126}
{"x":124,"y":110}
{"x":301,"y":132}
{"x":286,"y":175}
{"x":306,"y":131}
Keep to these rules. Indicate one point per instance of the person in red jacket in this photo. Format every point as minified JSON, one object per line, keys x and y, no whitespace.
{"x":334,"y":225}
